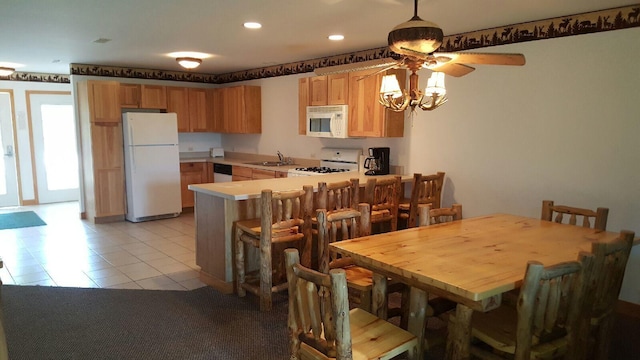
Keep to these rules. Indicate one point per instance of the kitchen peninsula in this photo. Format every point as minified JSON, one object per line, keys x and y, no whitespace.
{"x":219,"y":205}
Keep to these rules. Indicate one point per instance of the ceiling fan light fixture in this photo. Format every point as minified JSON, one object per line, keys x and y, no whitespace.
{"x":6,"y":71}
{"x":390,"y":86}
{"x":435,"y":84}
{"x":189,"y":62}
{"x":416,"y":35}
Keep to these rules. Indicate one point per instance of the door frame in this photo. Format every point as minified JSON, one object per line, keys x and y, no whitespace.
{"x":28,"y":93}
{"x":16,"y":148}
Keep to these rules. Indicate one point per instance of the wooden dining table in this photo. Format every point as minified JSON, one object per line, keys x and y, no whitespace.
{"x":471,"y":261}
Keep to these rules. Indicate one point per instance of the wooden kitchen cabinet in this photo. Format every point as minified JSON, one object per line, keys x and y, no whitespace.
{"x":134,"y":96}
{"x":215,"y":101}
{"x":191,"y":173}
{"x":153,"y":97}
{"x":367,"y":118}
{"x":258,"y":174}
{"x":130,"y":96}
{"x":239,"y":110}
{"x":241,"y":173}
{"x":178,"y":102}
{"x":303,"y":102}
{"x":198,"y":111}
{"x":102,"y":145}
{"x":281,"y":174}
{"x":320,"y":90}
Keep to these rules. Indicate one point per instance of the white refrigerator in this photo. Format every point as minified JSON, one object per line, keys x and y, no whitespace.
{"x":152,"y":165}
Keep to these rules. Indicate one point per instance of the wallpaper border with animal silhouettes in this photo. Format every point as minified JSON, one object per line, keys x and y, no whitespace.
{"x":570,"y":25}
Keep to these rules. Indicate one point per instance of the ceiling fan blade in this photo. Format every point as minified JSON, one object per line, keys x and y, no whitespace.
{"x":452,"y":69}
{"x":363,"y":65}
{"x":484,"y":58}
{"x":381,"y":71}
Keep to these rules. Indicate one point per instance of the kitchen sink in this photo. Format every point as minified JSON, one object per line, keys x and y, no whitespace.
{"x":268,"y":163}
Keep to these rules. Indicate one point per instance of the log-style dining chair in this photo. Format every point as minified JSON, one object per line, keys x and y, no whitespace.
{"x":426,"y":189}
{"x":608,"y":271}
{"x":285,"y":221}
{"x":427,"y":215}
{"x":551,"y":212}
{"x":344,"y":225}
{"x":321,"y":326}
{"x":547,"y":314}
{"x":383,"y":195}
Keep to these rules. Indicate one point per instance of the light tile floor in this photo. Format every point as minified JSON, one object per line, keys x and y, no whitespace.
{"x":71,"y":252}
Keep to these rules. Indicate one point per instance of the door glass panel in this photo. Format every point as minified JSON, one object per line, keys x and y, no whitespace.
{"x":59,"y":141}
{"x":3,"y":174}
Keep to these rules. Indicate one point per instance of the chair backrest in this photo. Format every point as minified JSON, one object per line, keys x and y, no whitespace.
{"x":551,"y":212}
{"x":550,"y":302}
{"x":427,"y":189}
{"x":383,"y":195}
{"x":428,"y":216}
{"x":340,"y":225}
{"x":339,"y":195}
{"x":286,"y":215}
{"x":318,"y":310}
{"x":610,"y":264}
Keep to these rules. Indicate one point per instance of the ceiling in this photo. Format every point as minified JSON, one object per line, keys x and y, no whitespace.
{"x":46,"y":36}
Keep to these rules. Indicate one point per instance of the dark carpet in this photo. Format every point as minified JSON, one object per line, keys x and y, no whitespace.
{"x":73,"y":323}
{"x":20,"y":219}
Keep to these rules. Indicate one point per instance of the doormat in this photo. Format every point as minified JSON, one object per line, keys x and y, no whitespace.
{"x":19,"y":220}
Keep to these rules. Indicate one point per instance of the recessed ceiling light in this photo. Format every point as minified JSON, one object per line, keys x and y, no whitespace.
{"x":336,"y":37}
{"x":252,"y":25}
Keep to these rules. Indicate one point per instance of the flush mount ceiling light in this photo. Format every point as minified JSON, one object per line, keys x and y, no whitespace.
{"x":336,"y":37}
{"x":189,"y":62}
{"x":6,"y":71}
{"x":252,"y":25}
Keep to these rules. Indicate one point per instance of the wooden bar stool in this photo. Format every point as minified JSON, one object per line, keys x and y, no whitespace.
{"x":383,"y":195}
{"x":285,"y":220}
{"x":426,"y":189}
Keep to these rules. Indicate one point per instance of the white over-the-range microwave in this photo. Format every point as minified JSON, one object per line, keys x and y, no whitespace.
{"x":329,"y":121}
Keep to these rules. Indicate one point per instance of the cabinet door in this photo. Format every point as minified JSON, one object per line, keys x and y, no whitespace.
{"x":178,"y":102}
{"x":108,"y":172}
{"x":318,"y":90}
{"x":337,"y":89}
{"x":367,"y":118}
{"x":241,"y":173}
{"x":190,"y":173}
{"x":130,"y":96}
{"x":215,"y":106}
{"x":153,"y":97}
{"x":303,"y":102}
{"x":104,"y":102}
{"x":198,"y":110}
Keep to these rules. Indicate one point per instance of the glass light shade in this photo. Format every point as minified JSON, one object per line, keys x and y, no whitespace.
{"x":435,"y":84}
{"x":390,"y":86}
{"x":188,"y":62}
{"x":6,"y":71}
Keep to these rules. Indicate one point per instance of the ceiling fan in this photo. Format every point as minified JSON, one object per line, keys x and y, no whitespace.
{"x":416,"y":41}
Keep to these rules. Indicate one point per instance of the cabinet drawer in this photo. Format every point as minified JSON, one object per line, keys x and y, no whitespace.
{"x":242,"y":171}
{"x":263,"y":174}
{"x":192,"y":167}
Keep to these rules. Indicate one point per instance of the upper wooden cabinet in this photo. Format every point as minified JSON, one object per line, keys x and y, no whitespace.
{"x":136,"y":96}
{"x":178,"y":102}
{"x":320,"y":90}
{"x":237,"y":109}
{"x":367,"y":118}
{"x":198,"y":111}
{"x":103,"y":100}
{"x":153,"y":97}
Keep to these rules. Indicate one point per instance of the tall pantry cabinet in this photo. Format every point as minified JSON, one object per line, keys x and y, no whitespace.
{"x":102,"y":150}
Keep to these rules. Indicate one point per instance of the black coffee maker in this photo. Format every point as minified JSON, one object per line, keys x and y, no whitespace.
{"x":378,"y":161}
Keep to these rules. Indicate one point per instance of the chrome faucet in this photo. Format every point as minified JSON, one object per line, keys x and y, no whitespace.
{"x":280,"y":157}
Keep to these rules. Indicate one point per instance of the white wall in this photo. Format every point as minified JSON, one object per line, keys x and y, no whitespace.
{"x":23,"y":146}
{"x":563,"y":127}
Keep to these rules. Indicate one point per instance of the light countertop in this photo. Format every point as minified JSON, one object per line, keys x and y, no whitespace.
{"x":251,"y":189}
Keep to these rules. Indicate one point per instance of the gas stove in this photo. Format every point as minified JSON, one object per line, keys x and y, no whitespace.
{"x":333,"y":160}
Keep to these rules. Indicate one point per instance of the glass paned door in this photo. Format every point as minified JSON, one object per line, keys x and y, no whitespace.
{"x":55,"y":148}
{"x":8,"y":174}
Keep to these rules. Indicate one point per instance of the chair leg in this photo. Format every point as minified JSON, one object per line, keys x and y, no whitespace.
{"x":603,"y":337}
{"x":266,"y":274}
{"x":240,"y":277}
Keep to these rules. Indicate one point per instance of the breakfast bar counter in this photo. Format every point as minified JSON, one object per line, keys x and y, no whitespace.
{"x":219,"y":205}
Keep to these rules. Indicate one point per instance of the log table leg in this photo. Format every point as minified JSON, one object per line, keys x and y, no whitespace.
{"x":379,"y":301}
{"x":459,"y":338}
{"x":418,"y":303}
